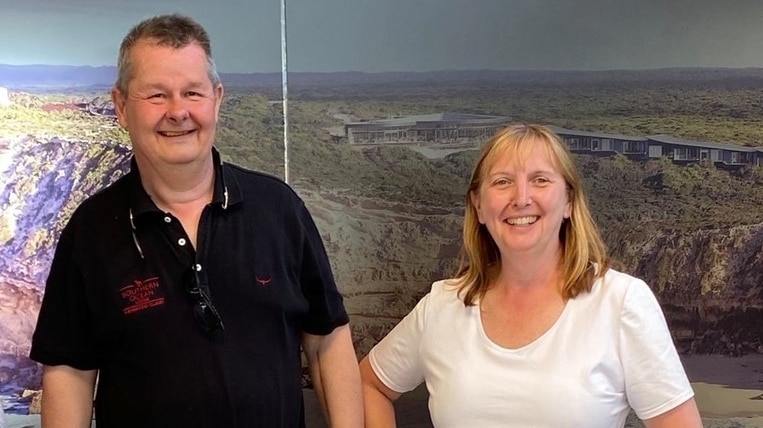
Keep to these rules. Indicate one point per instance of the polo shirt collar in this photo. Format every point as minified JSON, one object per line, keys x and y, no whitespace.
{"x":226,"y":189}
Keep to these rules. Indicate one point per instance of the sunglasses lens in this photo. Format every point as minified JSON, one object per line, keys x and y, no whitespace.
{"x":207,"y":317}
{"x":204,"y":312}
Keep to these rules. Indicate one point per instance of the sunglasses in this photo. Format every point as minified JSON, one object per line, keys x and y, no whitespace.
{"x":204,"y":311}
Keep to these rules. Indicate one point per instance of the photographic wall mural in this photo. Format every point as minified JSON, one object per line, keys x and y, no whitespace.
{"x":389,"y":102}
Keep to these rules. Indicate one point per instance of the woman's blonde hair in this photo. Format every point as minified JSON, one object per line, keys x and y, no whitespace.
{"x":584,"y":255}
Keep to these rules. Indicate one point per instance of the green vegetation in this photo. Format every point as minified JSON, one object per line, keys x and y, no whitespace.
{"x":627,"y":197}
{"x":53,"y":115}
{"x":655,"y":195}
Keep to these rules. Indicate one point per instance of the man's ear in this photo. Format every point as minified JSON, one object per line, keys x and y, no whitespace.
{"x":119,"y":106}
{"x":219,"y":92}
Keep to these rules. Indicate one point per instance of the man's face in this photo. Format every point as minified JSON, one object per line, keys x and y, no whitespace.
{"x":171,"y":106}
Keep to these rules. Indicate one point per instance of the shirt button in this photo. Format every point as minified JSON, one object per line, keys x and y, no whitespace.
{"x":181,"y":242}
{"x":167,"y":219}
{"x":197,"y":267}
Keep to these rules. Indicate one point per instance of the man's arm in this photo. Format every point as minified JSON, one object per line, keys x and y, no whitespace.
{"x":67,"y":397}
{"x":336,"y":379}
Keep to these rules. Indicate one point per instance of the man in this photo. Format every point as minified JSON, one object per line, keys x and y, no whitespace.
{"x":188,"y":286}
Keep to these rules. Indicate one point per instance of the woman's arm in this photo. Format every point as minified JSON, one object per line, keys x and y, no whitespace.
{"x":377,"y":398}
{"x":685,"y":415}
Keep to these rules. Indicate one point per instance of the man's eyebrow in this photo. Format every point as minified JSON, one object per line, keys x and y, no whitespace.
{"x":161,"y":86}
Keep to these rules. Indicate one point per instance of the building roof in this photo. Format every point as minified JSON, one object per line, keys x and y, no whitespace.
{"x":667,"y":139}
{"x":436,"y":117}
{"x":562,"y":131}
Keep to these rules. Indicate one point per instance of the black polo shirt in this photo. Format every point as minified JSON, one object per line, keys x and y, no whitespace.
{"x":117,"y":300}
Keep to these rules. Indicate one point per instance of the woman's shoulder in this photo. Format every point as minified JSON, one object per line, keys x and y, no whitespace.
{"x":617,"y":284}
{"x":615,"y":293}
{"x":445,"y":291}
{"x":445,"y":287}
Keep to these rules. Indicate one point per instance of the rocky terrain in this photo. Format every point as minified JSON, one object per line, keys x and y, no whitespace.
{"x":41,"y":182}
{"x":390,"y":219}
{"x":385,"y":254}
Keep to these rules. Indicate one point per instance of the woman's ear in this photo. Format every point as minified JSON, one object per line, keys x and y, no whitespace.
{"x":568,"y":206}
{"x":474,"y":197}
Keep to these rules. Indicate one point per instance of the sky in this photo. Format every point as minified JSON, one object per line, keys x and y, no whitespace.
{"x":405,"y":35}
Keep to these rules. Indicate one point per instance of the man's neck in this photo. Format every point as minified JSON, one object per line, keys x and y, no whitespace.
{"x":178,"y":187}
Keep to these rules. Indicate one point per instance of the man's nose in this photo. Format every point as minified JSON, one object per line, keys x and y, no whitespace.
{"x":177,"y":109}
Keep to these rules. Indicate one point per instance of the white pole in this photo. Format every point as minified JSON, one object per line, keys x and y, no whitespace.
{"x":285,"y":94}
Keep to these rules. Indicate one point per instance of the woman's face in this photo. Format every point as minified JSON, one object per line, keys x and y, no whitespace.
{"x":523,"y":202}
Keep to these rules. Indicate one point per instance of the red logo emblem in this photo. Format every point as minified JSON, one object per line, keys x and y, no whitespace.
{"x":263,"y":281}
{"x":140,"y":295}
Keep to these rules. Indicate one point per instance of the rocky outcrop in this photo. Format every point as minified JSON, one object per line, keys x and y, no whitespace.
{"x":41,"y":182}
{"x":386,"y":255}
{"x":710,"y":283}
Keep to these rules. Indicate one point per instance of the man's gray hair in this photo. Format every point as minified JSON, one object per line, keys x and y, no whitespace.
{"x":175,"y":31}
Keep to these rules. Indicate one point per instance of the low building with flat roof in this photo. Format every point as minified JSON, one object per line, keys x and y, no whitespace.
{"x":439,"y":128}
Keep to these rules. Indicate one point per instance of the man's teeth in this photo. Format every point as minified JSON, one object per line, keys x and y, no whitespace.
{"x":174,"y":133}
{"x":522,"y":220}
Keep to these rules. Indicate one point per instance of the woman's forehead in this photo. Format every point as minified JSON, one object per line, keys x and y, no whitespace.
{"x":530,"y":153}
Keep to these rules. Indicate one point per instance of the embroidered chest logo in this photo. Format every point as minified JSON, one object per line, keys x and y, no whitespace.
{"x":140,"y":295}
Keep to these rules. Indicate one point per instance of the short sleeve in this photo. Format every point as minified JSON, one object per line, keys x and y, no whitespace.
{"x":64,"y":331}
{"x":326,"y":309}
{"x":397,"y":359}
{"x":655,"y":380}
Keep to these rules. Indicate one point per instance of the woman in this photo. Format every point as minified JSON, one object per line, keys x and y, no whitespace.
{"x":536,"y":330}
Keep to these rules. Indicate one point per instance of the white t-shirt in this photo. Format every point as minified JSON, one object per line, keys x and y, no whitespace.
{"x":609,"y":349}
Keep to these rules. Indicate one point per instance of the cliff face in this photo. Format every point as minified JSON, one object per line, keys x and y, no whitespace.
{"x":717,"y":267}
{"x":710,"y":283}
{"x":385,"y":255}
{"x":41,"y":183}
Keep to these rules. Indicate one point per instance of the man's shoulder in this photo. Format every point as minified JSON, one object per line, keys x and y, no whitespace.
{"x":258,"y":181}
{"x":256,"y":185}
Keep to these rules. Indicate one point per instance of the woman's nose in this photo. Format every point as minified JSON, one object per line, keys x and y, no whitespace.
{"x":522,"y":195}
